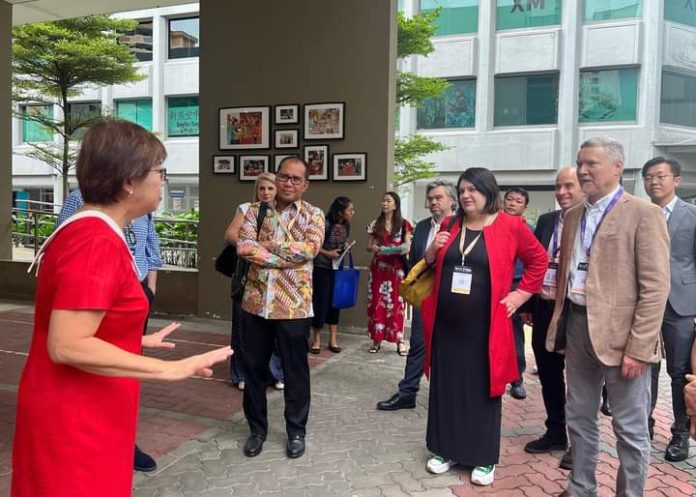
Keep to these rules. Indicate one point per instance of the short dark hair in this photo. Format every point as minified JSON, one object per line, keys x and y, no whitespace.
{"x":339,"y":204}
{"x":674,"y":165}
{"x":295,"y":158}
{"x":114,"y":151}
{"x":521,"y":191}
{"x":484,"y":181}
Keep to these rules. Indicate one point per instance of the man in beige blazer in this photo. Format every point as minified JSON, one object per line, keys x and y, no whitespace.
{"x":613,"y":284}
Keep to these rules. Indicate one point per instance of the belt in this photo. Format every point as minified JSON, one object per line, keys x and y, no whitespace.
{"x":580,"y":309}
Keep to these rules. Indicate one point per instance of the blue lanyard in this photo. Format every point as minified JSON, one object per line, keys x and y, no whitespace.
{"x":583,"y":221}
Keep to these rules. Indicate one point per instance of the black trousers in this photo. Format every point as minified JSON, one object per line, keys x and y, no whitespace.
{"x":260,"y":337}
{"x":410,"y":384}
{"x":550,"y":366}
{"x":518,"y":331}
{"x":150,"y":297}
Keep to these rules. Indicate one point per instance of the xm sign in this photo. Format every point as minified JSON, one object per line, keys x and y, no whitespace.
{"x":512,"y":14}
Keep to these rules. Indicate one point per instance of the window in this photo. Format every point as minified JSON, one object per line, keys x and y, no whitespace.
{"x":513,"y":14}
{"x":137,"y":111}
{"x":521,"y":100}
{"x":82,"y":112}
{"x":608,"y":95}
{"x":456,"y":16}
{"x":678,"y":99}
{"x":681,"y":11}
{"x":139,"y":41}
{"x":33,"y":131}
{"x":183,"y":38}
{"x":600,"y":10}
{"x":182,"y":116}
{"x":455,"y":108}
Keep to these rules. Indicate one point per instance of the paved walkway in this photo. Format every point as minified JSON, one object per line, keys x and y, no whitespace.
{"x":196,"y":430}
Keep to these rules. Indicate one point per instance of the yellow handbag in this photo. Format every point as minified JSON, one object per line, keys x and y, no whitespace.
{"x":418,"y":284}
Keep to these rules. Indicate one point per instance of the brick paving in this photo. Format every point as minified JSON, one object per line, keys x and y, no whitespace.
{"x":196,"y":430}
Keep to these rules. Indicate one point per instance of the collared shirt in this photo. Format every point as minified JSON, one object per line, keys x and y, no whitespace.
{"x":434,"y":228}
{"x":548,"y":292}
{"x":669,"y":208}
{"x":279,"y":281}
{"x":593,"y":215}
{"x":141,"y":236}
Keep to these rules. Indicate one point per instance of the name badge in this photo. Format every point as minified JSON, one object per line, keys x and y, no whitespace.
{"x":550,"y":276}
{"x":461,"y":280}
{"x":580,"y":278}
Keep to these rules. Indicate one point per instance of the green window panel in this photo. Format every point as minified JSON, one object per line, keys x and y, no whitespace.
{"x":455,"y":108}
{"x":601,"y":10}
{"x":182,"y":116}
{"x":83,"y":111}
{"x":608,"y":95}
{"x":678,"y":99}
{"x":514,"y":14}
{"x":456,"y":16}
{"x":32,"y":131}
{"x":525,"y":100}
{"x":681,"y":11}
{"x":137,"y":111}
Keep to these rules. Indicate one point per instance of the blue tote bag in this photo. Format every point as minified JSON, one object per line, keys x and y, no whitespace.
{"x":346,"y":281}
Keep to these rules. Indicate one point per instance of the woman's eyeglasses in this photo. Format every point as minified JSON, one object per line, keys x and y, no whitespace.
{"x":162,"y":172}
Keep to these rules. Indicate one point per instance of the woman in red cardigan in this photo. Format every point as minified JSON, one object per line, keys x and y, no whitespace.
{"x":470,"y":349}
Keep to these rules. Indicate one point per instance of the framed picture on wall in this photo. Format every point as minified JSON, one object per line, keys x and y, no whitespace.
{"x":287,"y":138}
{"x":243,"y":128}
{"x":250,"y":166}
{"x":287,"y":114}
{"x":317,"y":158}
{"x":324,"y":121}
{"x":223,"y":164}
{"x":279,"y":157}
{"x":350,"y":167}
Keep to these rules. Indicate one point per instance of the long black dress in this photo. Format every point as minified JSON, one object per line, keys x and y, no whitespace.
{"x":463,"y":420}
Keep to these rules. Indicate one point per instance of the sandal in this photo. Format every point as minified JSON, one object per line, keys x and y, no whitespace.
{"x":334,"y":348}
{"x":401,"y":349}
{"x":374,"y":348}
{"x":315,"y":350}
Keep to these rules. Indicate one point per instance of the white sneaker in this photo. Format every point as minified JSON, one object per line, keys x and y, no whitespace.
{"x":241,"y":385}
{"x":437,"y":465}
{"x":279,"y":385}
{"x":483,"y":475}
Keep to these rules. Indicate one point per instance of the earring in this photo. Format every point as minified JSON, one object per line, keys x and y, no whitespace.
{"x":130,"y":192}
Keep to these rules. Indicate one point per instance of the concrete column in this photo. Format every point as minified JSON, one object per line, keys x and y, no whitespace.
{"x":485,"y":72}
{"x":159,"y":56}
{"x":568,"y":85}
{"x":5,"y":130}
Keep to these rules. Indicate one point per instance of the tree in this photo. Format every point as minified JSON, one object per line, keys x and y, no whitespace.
{"x":414,"y":39}
{"x":54,"y":61}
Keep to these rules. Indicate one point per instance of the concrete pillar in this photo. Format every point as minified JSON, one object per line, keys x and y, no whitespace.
{"x":5,"y":130}
{"x":568,"y":86}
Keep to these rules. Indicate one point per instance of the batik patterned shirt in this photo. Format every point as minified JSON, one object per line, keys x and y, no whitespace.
{"x":279,"y":281}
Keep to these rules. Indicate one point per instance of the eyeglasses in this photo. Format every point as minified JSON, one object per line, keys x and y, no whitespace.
{"x":162,"y":172}
{"x":660,"y":178}
{"x":295,"y":180}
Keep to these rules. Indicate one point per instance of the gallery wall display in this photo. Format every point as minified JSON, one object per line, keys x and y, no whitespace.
{"x":317,"y":158}
{"x":244,"y":128}
{"x":287,"y":138}
{"x":350,"y":167}
{"x":278,"y":158}
{"x":250,"y":166}
{"x":287,"y":114}
{"x":223,"y":164}
{"x":324,"y":121}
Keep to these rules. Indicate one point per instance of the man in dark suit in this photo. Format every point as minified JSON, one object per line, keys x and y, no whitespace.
{"x":442,"y":202}
{"x":661,"y":178}
{"x":550,"y":365}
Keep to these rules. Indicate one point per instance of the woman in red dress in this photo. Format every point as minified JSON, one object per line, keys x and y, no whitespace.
{"x":77,"y":404}
{"x":389,"y":237}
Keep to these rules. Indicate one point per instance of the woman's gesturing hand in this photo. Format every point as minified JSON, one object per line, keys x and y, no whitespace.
{"x":514,"y":301}
{"x":438,"y":242}
{"x":197,"y":365}
{"x":156,"y":340}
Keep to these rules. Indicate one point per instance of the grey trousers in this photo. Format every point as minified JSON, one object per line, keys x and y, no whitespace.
{"x":630,"y":403}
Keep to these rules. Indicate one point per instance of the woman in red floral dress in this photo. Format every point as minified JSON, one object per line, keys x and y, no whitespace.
{"x":389,"y":238}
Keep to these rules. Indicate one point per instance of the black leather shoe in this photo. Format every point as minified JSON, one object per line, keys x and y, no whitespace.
{"x":566,"y":461}
{"x":254,"y":445}
{"x":517,"y":391}
{"x":395,"y":403}
{"x":605,"y":409}
{"x":296,"y":447}
{"x":677,"y":450}
{"x":143,"y":462}
{"x":546,"y":444}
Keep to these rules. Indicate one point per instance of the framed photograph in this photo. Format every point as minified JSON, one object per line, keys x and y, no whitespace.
{"x":280,"y":157}
{"x":223,"y":164}
{"x":287,"y":138}
{"x":317,"y":158}
{"x":243,"y":128}
{"x":324,"y":121}
{"x":350,"y":167}
{"x":287,"y":114}
{"x":250,"y":166}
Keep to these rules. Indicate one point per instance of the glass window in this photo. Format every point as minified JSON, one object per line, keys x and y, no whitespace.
{"x":33,"y":131}
{"x":183,"y":38}
{"x":521,"y":100}
{"x":137,"y":111}
{"x":600,"y":10}
{"x":681,"y":11}
{"x":678,"y":99}
{"x":82,"y":112}
{"x":456,"y":16}
{"x":512,"y":14}
{"x":182,"y":116}
{"x":455,"y":108}
{"x":139,"y":41}
{"x":608,"y":95}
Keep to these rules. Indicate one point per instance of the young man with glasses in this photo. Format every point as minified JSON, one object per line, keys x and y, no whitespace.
{"x":277,"y":303}
{"x":661,"y":178}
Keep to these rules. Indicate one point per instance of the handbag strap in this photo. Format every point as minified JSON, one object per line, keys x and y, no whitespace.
{"x":263,"y":208}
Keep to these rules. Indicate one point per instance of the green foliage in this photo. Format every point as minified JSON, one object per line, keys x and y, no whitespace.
{"x":412,"y":89}
{"x":410,"y":165}
{"x":413,"y":37}
{"x":173,"y":230}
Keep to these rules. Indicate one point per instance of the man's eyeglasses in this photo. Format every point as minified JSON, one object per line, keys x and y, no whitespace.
{"x":659,"y":178}
{"x":162,"y":172}
{"x":295,"y":180}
